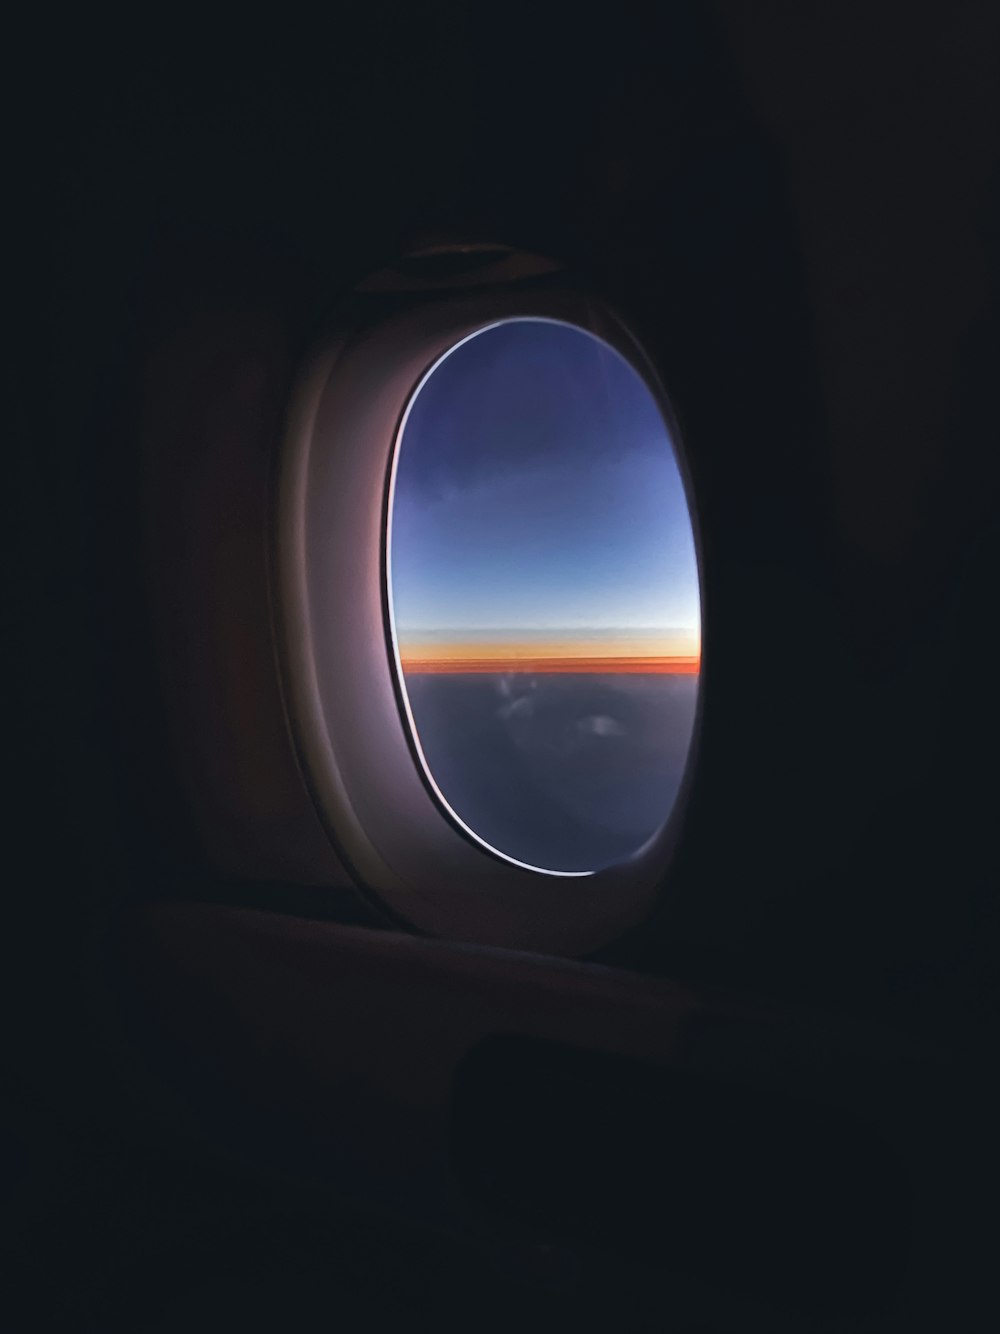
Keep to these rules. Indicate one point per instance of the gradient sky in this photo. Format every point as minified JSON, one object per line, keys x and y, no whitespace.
{"x":538,"y":505}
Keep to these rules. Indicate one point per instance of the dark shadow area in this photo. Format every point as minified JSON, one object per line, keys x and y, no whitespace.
{"x":758,"y":1192}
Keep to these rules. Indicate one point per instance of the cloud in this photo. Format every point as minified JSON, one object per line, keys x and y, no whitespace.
{"x":599,"y":724}
{"x":521,"y":707}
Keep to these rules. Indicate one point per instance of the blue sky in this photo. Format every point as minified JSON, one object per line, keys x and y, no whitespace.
{"x":537,"y":491}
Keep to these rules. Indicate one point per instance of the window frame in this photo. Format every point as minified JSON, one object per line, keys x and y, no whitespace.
{"x":344,"y":709}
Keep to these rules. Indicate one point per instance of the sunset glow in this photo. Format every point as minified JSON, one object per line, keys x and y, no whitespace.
{"x":574,"y":664}
{"x":676,"y":654}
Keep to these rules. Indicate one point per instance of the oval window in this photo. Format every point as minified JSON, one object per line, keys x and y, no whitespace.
{"x":543,"y":595}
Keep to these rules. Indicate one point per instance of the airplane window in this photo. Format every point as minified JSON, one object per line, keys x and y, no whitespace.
{"x":543,"y":596}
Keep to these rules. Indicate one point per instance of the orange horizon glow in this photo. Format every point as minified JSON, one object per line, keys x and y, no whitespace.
{"x":657,"y":664}
{"x":674,"y":653}
{"x":537,"y":666}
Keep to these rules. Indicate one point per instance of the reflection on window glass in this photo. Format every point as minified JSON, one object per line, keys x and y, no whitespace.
{"x":543,"y":594}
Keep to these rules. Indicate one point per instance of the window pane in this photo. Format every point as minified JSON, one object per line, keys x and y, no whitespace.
{"x":544,"y":599}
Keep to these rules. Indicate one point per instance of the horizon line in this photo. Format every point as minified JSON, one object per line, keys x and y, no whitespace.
{"x":592,"y":664}
{"x":567,"y":635}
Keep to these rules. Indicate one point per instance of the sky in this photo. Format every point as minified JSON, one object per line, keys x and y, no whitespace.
{"x":537,"y":510}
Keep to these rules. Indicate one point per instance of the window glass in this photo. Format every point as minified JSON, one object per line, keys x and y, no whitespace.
{"x":543,"y":596}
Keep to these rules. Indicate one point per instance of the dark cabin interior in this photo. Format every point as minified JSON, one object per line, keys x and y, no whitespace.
{"x":253,"y":1103}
